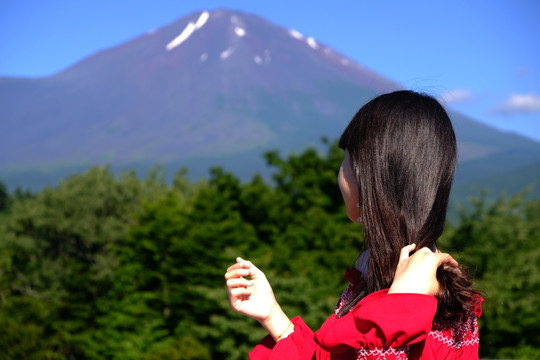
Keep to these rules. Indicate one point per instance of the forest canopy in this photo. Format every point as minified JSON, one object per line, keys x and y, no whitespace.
{"x":107,"y":266}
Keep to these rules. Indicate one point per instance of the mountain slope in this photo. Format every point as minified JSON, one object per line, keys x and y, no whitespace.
{"x":212,"y":88}
{"x":202,"y":96}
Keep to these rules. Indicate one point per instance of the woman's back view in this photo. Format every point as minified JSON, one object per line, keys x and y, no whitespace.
{"x":403,"y":152}
{"x":405,"y":299}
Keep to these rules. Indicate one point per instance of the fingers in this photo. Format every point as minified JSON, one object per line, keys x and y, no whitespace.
{"x":240,"y":263}
{"x":240,"y":292}
{"x":417,"y":273}
{"x":405,"y":251}
{"x":243,"y":268}
{"x":244,"y":263}
{"x":440,"y":257}
{"x":254,"y":271}
{"x":446,"y":258}
{"x":237,"y":286}
{"x":241,"y":282}
{"x":233,"y":272}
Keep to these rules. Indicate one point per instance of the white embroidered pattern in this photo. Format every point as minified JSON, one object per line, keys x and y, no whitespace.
{"x":458,"y":334}
{"x":381,"y":354}
{"x":454,"y":335}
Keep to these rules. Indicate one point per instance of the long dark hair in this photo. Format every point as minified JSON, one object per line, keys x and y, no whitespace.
{"x":403,"y":151}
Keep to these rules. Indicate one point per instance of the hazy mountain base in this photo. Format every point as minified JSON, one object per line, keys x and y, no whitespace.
{"x":246,"y":164}
{"x":489,"y":159}
{"x":505,"y":183}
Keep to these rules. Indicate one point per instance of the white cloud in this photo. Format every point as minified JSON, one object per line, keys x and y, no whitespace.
{"x":456,"y":95}
{"x":517,"y":103}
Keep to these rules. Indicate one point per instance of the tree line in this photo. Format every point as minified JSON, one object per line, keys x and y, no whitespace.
{"x":107,"y":266}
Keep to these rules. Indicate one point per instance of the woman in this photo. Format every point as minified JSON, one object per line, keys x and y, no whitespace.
{"x":400,"y":157}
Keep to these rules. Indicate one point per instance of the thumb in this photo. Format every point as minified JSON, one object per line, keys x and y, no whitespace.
{"x":254,"y":271}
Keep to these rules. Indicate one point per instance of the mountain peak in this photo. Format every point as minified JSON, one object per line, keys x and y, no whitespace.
{"x":188,"y":30}
{"x":211,"y":86}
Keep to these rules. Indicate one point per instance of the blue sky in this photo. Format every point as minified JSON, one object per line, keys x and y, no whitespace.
{"x":482,"y":57}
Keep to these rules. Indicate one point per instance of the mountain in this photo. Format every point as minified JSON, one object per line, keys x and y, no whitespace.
{"x":213,"y":88}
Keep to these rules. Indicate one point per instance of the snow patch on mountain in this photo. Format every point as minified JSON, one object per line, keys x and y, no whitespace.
{"x":188,"y":30}
{"x":225,"y":54}
{"x":239,"y":31}
{"x":184,"y":35}
{"x":296,"y":34}
{"x":312,"y":43}
{"x":202,"y":19}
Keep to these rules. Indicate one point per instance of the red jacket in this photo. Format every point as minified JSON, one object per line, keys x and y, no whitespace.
{"x":380,"y":326}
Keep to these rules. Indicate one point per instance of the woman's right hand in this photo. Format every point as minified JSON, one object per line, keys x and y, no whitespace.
{"x":418,"y":273}
{"x":255,"y":298}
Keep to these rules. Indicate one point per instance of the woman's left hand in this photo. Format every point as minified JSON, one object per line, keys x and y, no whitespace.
{"x":418,"y":273}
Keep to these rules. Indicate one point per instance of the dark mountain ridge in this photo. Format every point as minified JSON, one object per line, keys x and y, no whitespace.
{"x":213,"y":88}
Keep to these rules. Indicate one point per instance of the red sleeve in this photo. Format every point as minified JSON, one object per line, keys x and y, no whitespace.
{"x":299,"y":345}
{"x":380,"y":321}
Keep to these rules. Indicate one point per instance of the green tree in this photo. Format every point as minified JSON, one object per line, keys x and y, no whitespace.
{"x":105,"y":267}
{"x":501,"y":244}
{"x":56,"y":250}
{"x":4,"y":196}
